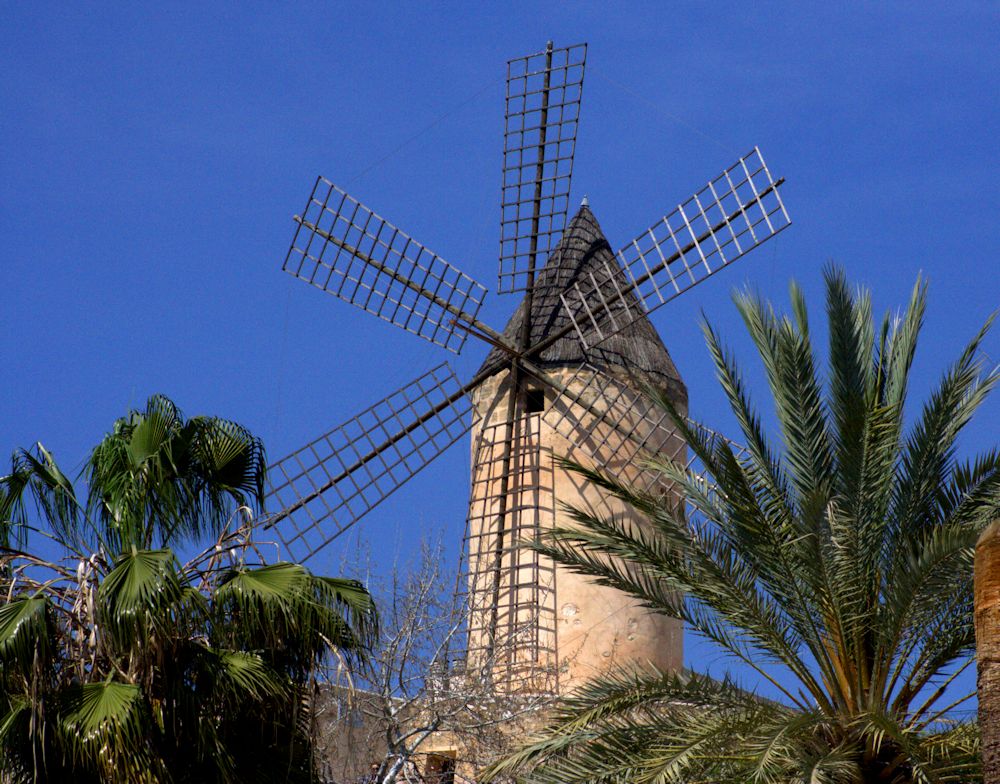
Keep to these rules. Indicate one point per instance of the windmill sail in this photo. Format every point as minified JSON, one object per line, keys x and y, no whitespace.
{"x":542,"y":113}
{"x":509,"y":589}
{"x":342,"y":247}
{"x":729,"y":217}
{"x":326,"y":486}
{"x":611,"y":425}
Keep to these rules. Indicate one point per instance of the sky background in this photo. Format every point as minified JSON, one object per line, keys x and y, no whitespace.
{"x":151,"y":159}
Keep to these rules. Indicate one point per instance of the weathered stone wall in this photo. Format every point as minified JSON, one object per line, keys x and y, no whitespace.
{"x":595,"y":628}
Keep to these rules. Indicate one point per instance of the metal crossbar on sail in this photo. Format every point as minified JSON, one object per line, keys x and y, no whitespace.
{"x":327,"y":485}
{"x":542,"y":113}
{"x":730,"y":216}
{"x":342,"y":247}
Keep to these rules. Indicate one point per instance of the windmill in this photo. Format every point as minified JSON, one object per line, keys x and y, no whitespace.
{"x":560,"y":378}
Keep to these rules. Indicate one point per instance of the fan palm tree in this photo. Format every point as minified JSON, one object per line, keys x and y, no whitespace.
{"x":120,"y":663}
{"x":835,"y":563}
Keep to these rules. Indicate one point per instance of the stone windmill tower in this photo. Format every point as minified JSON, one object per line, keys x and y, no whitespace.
{"x":564,"y":378}
{"x":538,"y":626}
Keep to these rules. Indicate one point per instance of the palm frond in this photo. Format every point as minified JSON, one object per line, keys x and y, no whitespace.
{"x":17,"y":742}
{"x":248,"y":674}
{"x":53,"y":493}
{"x":140,"y":597}
{"x":125,"y":666}
{"x":230,"y":458}
{"x":13,"y":515}
{"x":157,"y":478}
{"x":284,"y":607}
{"x":837,"y":563}
{"x":103,"y":725}
{"x":929,"y":450}
{"x":352,"y":600}
{"x":25,"y":631}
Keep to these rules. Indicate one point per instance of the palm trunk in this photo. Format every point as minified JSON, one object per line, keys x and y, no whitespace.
{"x":987,"y":598}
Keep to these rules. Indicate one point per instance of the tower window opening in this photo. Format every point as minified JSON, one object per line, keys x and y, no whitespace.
{"x":534,"y":400}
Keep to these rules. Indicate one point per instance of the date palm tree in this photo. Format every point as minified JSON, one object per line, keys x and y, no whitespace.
{"x":120,"y":663}
{"x":835,"y":562}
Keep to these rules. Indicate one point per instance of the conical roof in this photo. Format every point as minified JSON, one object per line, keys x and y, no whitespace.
{"x":637,"y":349}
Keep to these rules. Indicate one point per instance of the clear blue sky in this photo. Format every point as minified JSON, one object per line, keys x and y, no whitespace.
{"x":151,"y":159}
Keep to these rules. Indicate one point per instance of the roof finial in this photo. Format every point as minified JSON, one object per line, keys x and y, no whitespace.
{"x":585,"y":202}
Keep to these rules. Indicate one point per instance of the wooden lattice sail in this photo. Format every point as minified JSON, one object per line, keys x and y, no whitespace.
{"x":565,"y":377}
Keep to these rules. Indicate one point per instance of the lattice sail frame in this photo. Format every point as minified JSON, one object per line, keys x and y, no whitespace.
{"x":733,"y":214}
{"x":330,"y":483}
{"x":542,"y":114}
{"x":624,"y":432}
{"x":604,"y":421}
{"x":519,"y":652}
{"x":342,"y":247}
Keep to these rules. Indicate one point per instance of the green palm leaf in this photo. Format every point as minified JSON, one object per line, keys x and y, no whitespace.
{"x":836,"y":563}
{"x":52,"y":491}
{"x":25,"y":630}
{"x":249,"y":673}
{"x":141,"y":596}
{"x":106,"y":726}
{"x":13,"y":516}
{"x":231,"y":459}
{"x":98,"y":712}
{"x":157,"y":478}
{"x":16,"y":742}
{"x":285,"y":607}
{"x":119,"y":664}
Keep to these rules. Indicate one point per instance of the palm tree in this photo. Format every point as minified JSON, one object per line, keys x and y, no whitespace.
{"x":836,"y":564}
{"x":120,"y":663}
{"x":987,"y":609}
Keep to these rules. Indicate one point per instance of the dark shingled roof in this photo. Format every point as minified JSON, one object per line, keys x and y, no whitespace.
{"x":637,"y":349}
